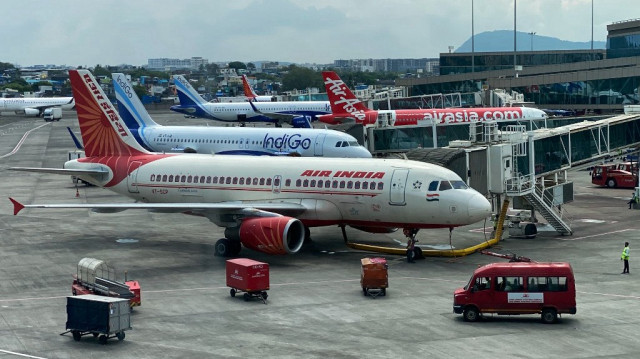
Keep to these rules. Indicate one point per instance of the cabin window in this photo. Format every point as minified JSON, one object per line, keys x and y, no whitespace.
{"x":214,"y":179}
{"x":242,"y":180}
{"x":228,"y":180}
{"x":287,"y":182}
{"x":305,"y":183}
{"x":445,"y":185}
{"x":380,"y":186}
{"x":208,"y":179}
{"x":433,"y":186}
{"x":235,"y":180}
{"x":248,"y":181}
{"x":201,"y":179}
{"x":255,"y":181}
{"x":153,"y":178}
{"x":356,"y":185}
{"x":170,"y":178}
{"x":164,"y":178}
{"x":312,"y":183}
{"x":350,"y":184}
{"x":327,"y":184}
{"x":262,"y":181}
{"x":342,"y":184}
{"x":276,"y":182}
{"x":335,"y":184}
{"x":195,"y":179}
{"x":459,"y":185}
{"x":189,"y":179}
{"x":183,"y":179}
{"x":268,"y":181}
{"x":298,"y":182}
{"x":372,"y":185}
{"x":365,"y":185}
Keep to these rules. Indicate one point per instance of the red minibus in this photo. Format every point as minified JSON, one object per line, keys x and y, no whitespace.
{"x":518,"y":288}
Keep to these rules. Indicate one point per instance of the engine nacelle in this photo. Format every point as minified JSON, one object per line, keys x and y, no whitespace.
{"x":272,"y":235}
{"x":301,"y":122}
{"x":31,"y":112}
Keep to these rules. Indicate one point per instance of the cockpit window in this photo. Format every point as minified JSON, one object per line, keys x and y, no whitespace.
{"x":354,"y":143}
{"x":339,"y":144}
{"x":445,"y":185}
{"x":433,"y":186}
{"x":345,"y":144}
{"x":459,"y":185}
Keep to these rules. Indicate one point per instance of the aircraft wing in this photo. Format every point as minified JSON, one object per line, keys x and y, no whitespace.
{"x":220,"y":213}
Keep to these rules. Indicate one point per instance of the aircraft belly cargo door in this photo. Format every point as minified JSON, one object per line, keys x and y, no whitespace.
{"x":398,"y":184}
{"x":318,"y":145}
{"x":133,"y":176}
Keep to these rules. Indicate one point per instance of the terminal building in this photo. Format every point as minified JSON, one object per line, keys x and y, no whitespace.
{"x":592,"y":81}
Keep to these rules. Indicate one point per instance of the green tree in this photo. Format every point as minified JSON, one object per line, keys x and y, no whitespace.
{"x":301,"y":78}
{"x":140,"y":90}
{"x":101,"y":71}
{"x":211,"y":69}
{"x":237,"y":65}
{"x":6,"y":66}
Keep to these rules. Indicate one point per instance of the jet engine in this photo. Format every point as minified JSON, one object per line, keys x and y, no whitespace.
{"x":272,"y":235}
{"x":301,"y":122}
{"x":31,"y":112}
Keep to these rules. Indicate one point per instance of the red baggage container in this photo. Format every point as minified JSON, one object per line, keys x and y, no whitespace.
{"x":247,"y":275}
{"x":373,"y":277}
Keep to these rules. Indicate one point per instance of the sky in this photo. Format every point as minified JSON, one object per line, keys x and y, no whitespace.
{"x":113,"y":32}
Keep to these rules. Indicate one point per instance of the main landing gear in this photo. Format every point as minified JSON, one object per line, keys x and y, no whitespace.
{"x":227,"y":248}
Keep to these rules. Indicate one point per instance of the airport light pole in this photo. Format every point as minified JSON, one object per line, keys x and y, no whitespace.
{"x":532,"y":33}
{"x":473,"y":49}
{"x":515,"y":35}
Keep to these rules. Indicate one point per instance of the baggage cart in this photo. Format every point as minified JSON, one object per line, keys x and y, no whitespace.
{"x":373,"y":277}
{"x":95,"y":276}
{"x":103,"y":317}
{"x":248,"y":276}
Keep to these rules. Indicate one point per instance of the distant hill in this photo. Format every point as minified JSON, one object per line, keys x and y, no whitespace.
{"x":502,"y":40}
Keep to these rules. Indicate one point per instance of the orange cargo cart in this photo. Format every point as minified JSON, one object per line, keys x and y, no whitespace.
{"x":374,"y":278}
{"x":248,"y":276}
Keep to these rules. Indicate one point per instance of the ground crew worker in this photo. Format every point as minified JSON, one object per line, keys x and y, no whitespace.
{"x":625,"y":257}
{"x":411,"y":243}
{"x":633,"y":200}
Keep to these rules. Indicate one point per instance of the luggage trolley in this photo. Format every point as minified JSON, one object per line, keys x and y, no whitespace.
{"x":373,"y":277}
{"x":103,"y":317}
{"x":248,"y":276}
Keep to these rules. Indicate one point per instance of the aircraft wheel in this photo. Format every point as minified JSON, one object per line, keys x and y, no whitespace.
{"x":223,"y":247}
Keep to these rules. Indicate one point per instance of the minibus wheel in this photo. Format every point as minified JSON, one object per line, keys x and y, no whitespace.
{"x":549,"y":316}
{"x":470,"y":314}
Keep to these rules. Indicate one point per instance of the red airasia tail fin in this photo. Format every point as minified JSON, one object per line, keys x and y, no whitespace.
{"x":104,"y":133}
{"x":342,"y":100}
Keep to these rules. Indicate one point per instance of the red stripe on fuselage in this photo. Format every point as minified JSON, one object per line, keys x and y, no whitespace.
{"x":119,"y":165}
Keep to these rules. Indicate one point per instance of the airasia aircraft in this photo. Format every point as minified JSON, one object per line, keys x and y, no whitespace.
{"x":345,"y":107}
{"x":265,"y":203}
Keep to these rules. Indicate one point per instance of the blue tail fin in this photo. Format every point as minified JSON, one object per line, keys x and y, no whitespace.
{"x":131,"y":109}
{"x":186,"y":93}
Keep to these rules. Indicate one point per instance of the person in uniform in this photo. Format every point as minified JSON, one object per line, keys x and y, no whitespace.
{"x":625,"y":257}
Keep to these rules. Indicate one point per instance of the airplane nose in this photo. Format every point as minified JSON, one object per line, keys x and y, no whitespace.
{"x":479,"y":207}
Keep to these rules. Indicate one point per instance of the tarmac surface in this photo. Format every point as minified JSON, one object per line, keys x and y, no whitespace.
{"x":315,"y":307}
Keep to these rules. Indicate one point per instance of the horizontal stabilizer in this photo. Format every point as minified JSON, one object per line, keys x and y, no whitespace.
{"x":61,"y":171}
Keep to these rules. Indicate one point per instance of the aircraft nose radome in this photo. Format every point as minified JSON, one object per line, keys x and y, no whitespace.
{"x":479,"y":207}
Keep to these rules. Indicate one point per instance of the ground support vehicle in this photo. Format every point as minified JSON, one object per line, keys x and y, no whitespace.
{"x":518,"y":288}
{"x":248,"y":276}
{"x":374,"y":278}
{"x":52,"y":114}
{"x":94,"y":276}
{"x":623,"y":175}
{"x":103,"y":317}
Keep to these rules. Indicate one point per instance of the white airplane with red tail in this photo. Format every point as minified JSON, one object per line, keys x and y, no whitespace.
{"x":265,"y":203}
{"x":252,"y":95}
{"x":345,"y":107}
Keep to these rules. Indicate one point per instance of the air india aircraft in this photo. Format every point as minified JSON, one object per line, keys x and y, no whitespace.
{"x":345,"y":107}
{"x":265,"y":203}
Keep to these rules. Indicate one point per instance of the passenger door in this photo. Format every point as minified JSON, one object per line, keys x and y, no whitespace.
{"x":398,"y":184}
{"x":319,"y":144}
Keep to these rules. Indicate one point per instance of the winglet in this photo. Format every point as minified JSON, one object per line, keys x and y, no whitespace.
{"x":17,"y":206}
{"x":75,"y":139}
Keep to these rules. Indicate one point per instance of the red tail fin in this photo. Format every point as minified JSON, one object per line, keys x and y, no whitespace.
{"x":248,"y":91}
{"x":342,"y":100}
{"x":103,"y":131}
{"x":17,"y":206}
